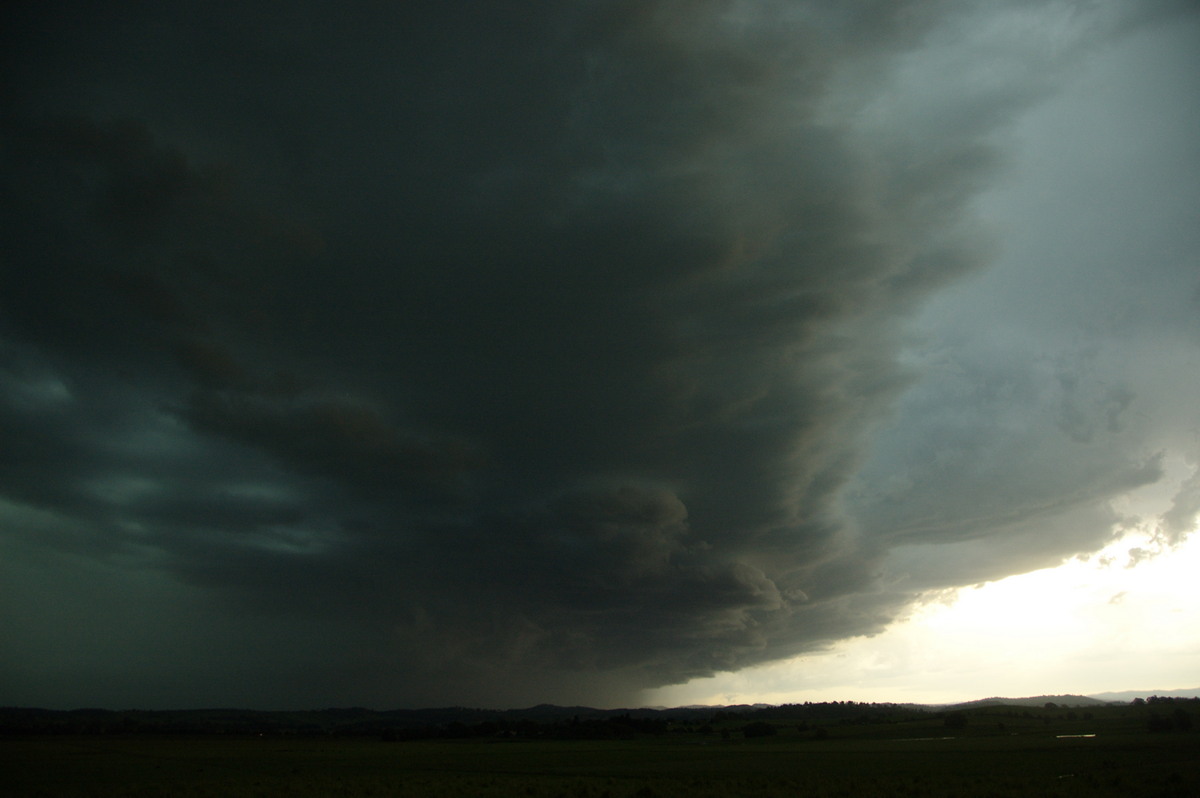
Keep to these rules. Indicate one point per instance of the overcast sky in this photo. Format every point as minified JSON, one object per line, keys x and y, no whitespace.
{"x":491,"y":354}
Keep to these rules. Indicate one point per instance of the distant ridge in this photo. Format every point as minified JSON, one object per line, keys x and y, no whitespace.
{"x":1033,"y":701}
{"x":1129,"y":695}
{"x":344,"y":717}
{"x":1096,"y":699}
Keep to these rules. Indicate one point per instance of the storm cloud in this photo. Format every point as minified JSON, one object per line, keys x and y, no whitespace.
{"x":493,"y":356}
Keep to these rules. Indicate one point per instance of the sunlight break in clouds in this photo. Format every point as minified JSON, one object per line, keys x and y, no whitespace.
{"x":1127,"y":615}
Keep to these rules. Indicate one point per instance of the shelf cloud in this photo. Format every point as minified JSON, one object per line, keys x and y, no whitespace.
{"x":492,"y":356}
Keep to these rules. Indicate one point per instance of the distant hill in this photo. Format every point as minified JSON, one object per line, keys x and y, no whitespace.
{"x":1034,"y":701}
{"x":1129,"y":695}
{"x":543,"y":720}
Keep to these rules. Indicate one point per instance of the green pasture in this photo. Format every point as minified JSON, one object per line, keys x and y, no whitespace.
{"x":1015,"y":765}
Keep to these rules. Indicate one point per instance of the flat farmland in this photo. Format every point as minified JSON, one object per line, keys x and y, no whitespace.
{"x":1018,"y":765}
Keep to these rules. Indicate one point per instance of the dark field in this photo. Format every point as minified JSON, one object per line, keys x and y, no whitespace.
{"x":695,"y":766}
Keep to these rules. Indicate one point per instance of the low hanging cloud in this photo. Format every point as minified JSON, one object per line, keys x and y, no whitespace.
{"x":500,"y":357}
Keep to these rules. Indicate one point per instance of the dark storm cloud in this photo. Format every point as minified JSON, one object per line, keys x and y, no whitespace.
{"x":499,"y":357}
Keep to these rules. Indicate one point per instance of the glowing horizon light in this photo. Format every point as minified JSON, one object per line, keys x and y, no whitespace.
{"x":1124,"y":618}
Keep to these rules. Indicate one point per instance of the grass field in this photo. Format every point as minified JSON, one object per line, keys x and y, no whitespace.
{"x":1013,"y":765}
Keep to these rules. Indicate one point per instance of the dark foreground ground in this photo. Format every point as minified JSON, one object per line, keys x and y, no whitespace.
{"x":1032,"y":764}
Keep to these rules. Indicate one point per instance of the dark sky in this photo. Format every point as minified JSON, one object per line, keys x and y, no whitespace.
{"x":491,"y":354}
